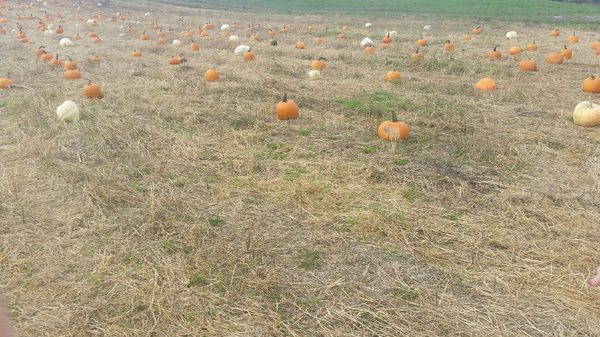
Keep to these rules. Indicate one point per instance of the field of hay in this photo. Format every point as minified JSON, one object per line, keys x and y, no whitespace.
{"x":179,"y":207}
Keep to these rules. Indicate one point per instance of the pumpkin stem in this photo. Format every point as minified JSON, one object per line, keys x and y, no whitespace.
{"x":285,"y":97}
{"x":40,"y":47}
{"x":496,"y":47}
{"x":322,"y":58}
{"x":394,"y":116}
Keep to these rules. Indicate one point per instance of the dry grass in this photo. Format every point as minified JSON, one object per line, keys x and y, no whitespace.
{"x":181,"y":208}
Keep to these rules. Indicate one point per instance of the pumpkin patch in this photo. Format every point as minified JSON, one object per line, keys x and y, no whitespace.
{"x":157,"y":177}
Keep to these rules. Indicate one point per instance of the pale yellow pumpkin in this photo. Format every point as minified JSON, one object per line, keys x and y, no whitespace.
{"x":586,"y":113}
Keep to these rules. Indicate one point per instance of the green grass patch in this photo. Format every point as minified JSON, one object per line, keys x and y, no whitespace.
{"x":310,"y":259}
{"x":197,"y":280}
{"x":378,"y":103}
{"x":304,"y":132}
{"x":169,"y":246}
{"x":215,"y":220}
{"x":531,"y":11}
{"x":368,"y":149}
{"x":406,"y":294}
{"x":293,"y":173}
{"x":411,"y":194}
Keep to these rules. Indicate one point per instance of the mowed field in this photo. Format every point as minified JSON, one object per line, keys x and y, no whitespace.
{"x":179,"y":207}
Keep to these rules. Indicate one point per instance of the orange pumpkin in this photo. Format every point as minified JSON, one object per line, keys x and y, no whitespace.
{"x":421,"y":42}
{"x":554,"y":58}
{"x":5,"y":83}
{"x":369,"y":50}
{"x":249,"y":55}
{"x":567,"y":53}
{"x":554,"y":33}
{"x":195,"y":46}
{"x":55,"y":61}
{"x":476,"y":30}
{"x":40,"y":51}
{"x":175,"y":59}
{"x":532,"y":46}
{"x":46,"y":57}
{"x":145,"y":36}
{"x":494,"y":54}
{"x":393,"y":130}
{"x":418,"y":55}
{"x":286,"y":109}
{"x":573,"y":38}
{"x":591,"y":85}
{"x":528,"y":66}
{"x":448,"y":46}
{"x":299,"y":45}
{"x":387,"y":38}
{"x":318,"y":64}
{"x":514,"y":51}
{"x":72,"y":74}
{"x":136,"y":53}
{"x":485,"y":84}
{"x":392,"y":75}
{"x":92,"y":90}
{"x":70,"y":64}
{"x":212,"y":75}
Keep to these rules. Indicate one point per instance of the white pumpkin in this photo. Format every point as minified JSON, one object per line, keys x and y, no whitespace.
{"x":586,"y":113}
{"x":393,"y":34}
{"x":511,"y":35}
{"x":51,"y":26}
{"x":427,"y":27}
{"x":368,"y":24}
{"x":68,"y":111}
{"x":366,"y":42}
{"x":65,"y":42}
{"x":123,"y":35}
{"x":147,"y":14}
{"x":240,"y":50}
{"x":48,"y":32}
{"x":314,"y":74}
{"x":234,"y":38}
{"x":91,"y":21}
{"x":224,"y":27}
{"x":177,"y":43}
